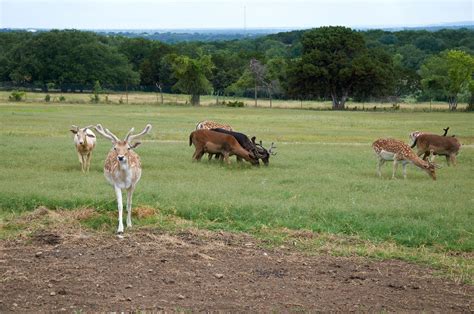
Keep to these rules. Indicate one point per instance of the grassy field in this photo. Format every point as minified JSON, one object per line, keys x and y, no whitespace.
{"x":322,"y":179}
{"x":179,"y":99}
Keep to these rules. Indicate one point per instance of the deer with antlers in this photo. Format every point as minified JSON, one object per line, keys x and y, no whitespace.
{"x":84,"y":140}
{"x":393,"y":150}
{"x":123,"y":168}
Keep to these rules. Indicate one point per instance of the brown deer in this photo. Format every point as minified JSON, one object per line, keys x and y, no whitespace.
{"x":397,"y":151}
{"x":206,"y":141}
{"x":123,"y":168}
{"x":84,"y":140}
{"x":415,"y":134}
{"x":431,"y":144}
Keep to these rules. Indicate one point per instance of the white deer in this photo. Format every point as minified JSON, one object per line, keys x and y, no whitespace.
{"x":123,"y":168}
{"x":84,"y":140}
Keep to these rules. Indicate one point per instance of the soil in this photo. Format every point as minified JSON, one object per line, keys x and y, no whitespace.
{"x":207,"y":271}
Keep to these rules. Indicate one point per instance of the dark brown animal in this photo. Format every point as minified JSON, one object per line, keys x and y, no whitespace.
{"x":431,"y":144}
{"x":206,"y":141}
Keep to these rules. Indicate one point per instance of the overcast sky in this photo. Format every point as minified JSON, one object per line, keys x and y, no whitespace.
{"x":167,"y":14}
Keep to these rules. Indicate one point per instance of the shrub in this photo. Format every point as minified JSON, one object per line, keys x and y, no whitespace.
{"x":47,"y":98}
{"x":234,"y":104}
{"x":16,"y":96}
{"x":95,"y":98}
{"x":62,"y":98}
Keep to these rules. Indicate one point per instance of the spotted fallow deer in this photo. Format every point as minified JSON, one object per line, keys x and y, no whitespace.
{"x":397,"y":151}
{"x":122,"y":168}
{"x":208,"y":124}
{"x":84,"y":140}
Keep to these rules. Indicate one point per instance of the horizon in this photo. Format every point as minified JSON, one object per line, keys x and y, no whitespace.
{"x":229,"y":14}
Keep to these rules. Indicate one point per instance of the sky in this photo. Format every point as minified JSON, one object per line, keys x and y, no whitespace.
{"x":236,"y":14}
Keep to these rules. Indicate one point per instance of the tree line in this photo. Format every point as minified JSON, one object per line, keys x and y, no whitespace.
{"x":327,"y":63}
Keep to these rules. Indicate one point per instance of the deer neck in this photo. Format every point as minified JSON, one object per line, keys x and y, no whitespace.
{"x":417,"y":161}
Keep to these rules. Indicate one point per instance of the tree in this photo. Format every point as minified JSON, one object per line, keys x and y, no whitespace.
{"x":447,"y":74}
{"x":336,"y":63}
{"x":192,"y":76}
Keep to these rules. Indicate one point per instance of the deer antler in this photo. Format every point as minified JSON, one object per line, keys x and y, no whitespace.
{"x":445,"y":131}
{"x":106,"y":133}
{"x":270,"y":151}
{"x":131,"y":137}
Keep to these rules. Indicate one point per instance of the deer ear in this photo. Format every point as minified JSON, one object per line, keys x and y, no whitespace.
{"x":253,"y":139}
{"x":90,"y":135}
{"x":135,"y":145}
{"x":73,"y":131}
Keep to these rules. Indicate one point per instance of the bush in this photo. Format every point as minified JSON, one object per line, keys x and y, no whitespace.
{"x":234,"y":104}
{"x":16,"y":96}
{"x":62,"y":98}
{"x":95,"y":98}
{"x":47,"y":98}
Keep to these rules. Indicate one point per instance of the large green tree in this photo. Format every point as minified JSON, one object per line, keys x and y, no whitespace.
{"x":192,"y":76}
{"x":447,"y":74}
{"x":336,"y":63}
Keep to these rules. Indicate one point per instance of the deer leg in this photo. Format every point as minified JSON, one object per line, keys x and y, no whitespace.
{"x":395,"y":165}
{"x":80,"y":161}
{"x":226,"y":158}
{"x":404,"y":165}
{"x":118,"y":193}
{"x":210,"y":156}
{"x":432,"y":158}
{"x":380,"y":163}
{"x":129,"y":206}
{"x":198,"y":154}
{"x":452,"y":158}
{"x":89,"y":157}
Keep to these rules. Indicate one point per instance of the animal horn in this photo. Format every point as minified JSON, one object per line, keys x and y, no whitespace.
{"x":270,"y":151}
{"x":106,"y":133}
{"x":146,"y":130}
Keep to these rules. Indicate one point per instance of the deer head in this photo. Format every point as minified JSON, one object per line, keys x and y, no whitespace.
{"x":123,"y":148}
{"x":81,"y":134}
{"x":262,"y":152}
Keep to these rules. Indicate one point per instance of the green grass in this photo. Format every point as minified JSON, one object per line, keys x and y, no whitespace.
{"x":323,"y":179}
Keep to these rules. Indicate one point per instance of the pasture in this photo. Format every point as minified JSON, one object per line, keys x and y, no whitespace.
{"x":322,"y":180}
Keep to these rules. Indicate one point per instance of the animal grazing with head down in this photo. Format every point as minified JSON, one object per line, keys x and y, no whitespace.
{"x":397,"y":151}
{"x":243,"y":140}
{"x":123,"y":168}
{"x":84,"y":140}
{"x":263,"y":153}
{"x":431,"y":144}
{"x":207,"y":141}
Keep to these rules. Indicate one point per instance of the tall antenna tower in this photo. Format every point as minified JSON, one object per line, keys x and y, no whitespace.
{"x":245,"y":20}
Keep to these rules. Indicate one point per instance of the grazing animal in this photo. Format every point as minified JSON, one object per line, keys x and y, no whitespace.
{"x":207,"y":141}
{"x":123,"y":168}
{"x":263,"y":153}
{"x":415,"y":134}
{"x":431,"y":144}
{"x":208,"y":125}
{"x":84,"y":140}
{"x":397,"y":151}
{"x":243,"y":140}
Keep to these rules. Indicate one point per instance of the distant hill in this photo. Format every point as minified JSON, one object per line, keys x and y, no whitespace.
{"x":172,"y":36}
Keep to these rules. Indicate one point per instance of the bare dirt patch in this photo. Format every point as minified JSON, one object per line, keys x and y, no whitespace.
{"x":201,"y":270}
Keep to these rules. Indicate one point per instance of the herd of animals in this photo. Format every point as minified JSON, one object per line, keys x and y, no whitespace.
{"x":122,"y":167}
